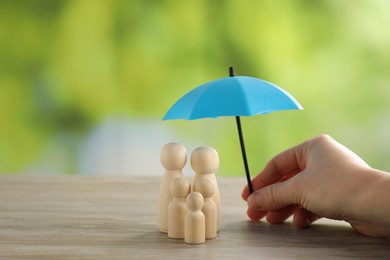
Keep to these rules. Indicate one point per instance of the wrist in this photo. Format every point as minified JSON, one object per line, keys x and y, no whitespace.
{"x":370,"y":211}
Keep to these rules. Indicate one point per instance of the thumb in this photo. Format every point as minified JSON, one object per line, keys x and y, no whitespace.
{"x":274,"y":196}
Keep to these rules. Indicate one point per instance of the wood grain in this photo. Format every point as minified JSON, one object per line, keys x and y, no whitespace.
{"x":76,"y":217}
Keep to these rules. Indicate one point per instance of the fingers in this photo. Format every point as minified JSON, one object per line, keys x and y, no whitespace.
{"x":275,"y":196}
{"x":281,"y":167}
{"x":303,"y":218}
{"x":255,"y":215}
{"x":278,"y":192}
{"x":273,"y":217}
{"x":245,"y":193}
{"x":279,"y":216}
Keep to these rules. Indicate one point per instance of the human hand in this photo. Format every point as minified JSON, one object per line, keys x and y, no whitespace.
{"x":321,"y":178}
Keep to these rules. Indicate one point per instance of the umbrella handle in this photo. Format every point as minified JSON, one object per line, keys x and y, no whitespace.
{"x":231,"y":71}
{"x":242,"y":144}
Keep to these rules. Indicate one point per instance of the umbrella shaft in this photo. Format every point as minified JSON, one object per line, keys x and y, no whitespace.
{"x":242,"y":144}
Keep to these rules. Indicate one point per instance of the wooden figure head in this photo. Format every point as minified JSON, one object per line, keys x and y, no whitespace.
{"x":204,"y":160}
{"x":194,"y":201}
{"x":205,"y":187}
{"x":180,"y":187}
{"x":173,"y":156}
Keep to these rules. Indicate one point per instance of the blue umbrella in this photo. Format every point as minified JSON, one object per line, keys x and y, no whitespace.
{"x":233,"y":96}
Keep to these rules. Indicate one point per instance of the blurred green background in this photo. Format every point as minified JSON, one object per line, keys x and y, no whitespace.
{"x":84,"y":84}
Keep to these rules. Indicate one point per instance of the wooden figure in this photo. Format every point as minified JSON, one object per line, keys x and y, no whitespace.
{"x":177,"y":210}
{"x":173,"y":157}
{"x":194,"y":224}
{"x":205,"y":187}
{"x":205,"y":162}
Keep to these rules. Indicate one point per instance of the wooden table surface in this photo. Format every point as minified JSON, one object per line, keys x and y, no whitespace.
{"x":79,"y":217}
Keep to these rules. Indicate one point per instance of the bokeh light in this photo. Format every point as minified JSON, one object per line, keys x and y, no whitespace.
{"x":84,"y":84}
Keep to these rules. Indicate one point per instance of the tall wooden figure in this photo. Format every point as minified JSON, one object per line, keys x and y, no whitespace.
{"x":194,"y":228}
{"x":177,"y":210}
{"x":173,"y":157}
{"x":205,"y":162}
{"x":205,"y":187}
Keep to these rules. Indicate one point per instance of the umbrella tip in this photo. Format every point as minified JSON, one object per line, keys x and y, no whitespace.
{"x":231,"y":71}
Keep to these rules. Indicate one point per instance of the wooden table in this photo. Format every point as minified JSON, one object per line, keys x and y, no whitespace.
{"x":76,"y":217}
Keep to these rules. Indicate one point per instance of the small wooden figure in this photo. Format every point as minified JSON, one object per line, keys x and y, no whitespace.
{"x":173,"y":157}
{"x":205,"y":162}
{"x":205,"y":187}
{"x":194,"y":227}
{"x":177,"y":210}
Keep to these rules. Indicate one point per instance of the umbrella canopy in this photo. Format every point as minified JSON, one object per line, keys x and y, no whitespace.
{"x":233,"y":96}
